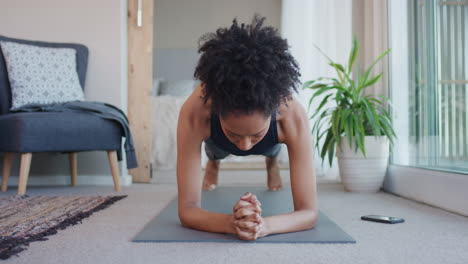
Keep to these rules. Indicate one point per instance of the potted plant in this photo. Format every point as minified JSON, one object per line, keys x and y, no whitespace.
{"x":351,"y":121}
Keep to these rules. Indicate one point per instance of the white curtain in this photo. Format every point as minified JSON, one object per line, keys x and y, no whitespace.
{"x":327,"y":24}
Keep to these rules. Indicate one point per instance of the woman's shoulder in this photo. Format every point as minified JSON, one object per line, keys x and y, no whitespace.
{"x":195,"y":111}
{"x":292,"y":119}
{"x":290,"y":110}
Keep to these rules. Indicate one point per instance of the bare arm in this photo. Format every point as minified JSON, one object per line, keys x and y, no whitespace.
{"x":298,"y":138}
{"x":189,"y":181}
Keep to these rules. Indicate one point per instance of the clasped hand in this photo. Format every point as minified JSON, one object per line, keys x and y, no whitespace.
{"x":248,"y":221}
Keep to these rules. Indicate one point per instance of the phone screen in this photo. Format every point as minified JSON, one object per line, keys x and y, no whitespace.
{"x":386,"y":218}
{"x":381,"y":218}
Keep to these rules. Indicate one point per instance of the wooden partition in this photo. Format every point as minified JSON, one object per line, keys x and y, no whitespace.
{"x":140,"y":72}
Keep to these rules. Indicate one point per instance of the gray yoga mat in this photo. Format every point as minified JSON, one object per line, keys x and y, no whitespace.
{"x":166,"y":226}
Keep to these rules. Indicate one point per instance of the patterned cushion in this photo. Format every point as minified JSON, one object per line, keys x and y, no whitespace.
{"x":41,"y":75}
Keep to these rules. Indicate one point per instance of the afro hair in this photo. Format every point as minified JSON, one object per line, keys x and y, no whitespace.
{"x":246,"y":68}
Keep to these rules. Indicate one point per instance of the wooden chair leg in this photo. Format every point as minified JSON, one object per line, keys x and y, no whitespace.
{"x":7,"y":164}
{"x":24,"y":172}
{"x":73,"y":158}
{"x":112,"y":155}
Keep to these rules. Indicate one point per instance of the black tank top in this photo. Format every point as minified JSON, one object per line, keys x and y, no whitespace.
{"x":221,"y":141}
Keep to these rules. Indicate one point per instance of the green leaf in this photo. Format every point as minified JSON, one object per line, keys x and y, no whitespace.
{"x":342,"y":89}
{"x":319,"y":92}
{"x":338,"y":67}
{"x":384,"y":98}
{"x":353,"y":54}
{"x":321,"y":135}
{"x":374,"y":121}
{"x":333,"y":123}
{"x":380,"y":57}
{"x":348,"y":78}
{"x":356,"y":133}
{"x":331,"y":150}
{"x":349,"y":130}
{"x":388,"y":129}
{"x":373,"y":80}
{"x":318,"y":85}
{"x":361,"y":126}
{"x":358,"y":77}
{"x":370,"y":82}
{"x":325,"y":111}
{"x":366,"y":74}
{"x":317,"y":143}
{"x":383,"y":111}
{"x":340,"y":76}
{"x":372,"y":117}
{"x":352,"y":85}
{"x":345,"y":122}
{"x":373,"y":99}
{"x":307,"y":84}
{"x":334,"y":80}
{"x":318,"y":124}
{"x":324,"y":101}
{"x":328,"y":140}
{"x":336,"y":117}
{"x":359,"y":134}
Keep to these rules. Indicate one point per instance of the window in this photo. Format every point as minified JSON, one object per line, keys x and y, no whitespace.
{"x":429,"y":83}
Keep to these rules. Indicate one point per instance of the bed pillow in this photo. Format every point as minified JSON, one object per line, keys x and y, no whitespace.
{"x":177,"y":88}
{"x":41,"y":75}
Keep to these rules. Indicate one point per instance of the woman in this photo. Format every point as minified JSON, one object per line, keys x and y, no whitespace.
{"x":244,"y":105}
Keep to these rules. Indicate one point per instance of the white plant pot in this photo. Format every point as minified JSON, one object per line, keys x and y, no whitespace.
{"x":363,"y":174}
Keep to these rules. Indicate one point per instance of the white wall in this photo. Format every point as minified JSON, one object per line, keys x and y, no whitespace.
{"x":180,"y":23}
{"x":101,"y":26}
{"x":95,"y":24}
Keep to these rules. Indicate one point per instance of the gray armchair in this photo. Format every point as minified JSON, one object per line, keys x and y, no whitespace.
{"x":69,"y":132}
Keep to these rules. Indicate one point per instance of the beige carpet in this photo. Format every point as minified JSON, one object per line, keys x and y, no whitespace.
{"x":429,"y":235}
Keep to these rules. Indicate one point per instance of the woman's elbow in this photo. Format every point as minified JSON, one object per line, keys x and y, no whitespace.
{"x":185,"y":213}
{"x":312,"y":218}
{"x":184,"y":218}
{"x":314,"y":221}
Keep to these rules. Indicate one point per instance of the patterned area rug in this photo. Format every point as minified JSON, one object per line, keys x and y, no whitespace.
{"x":24,"y":219}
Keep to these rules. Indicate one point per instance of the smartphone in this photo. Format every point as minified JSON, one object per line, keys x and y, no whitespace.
{"x":383,"y":219}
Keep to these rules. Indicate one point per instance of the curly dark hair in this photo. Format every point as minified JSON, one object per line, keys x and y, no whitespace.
{"x":246,"y":68}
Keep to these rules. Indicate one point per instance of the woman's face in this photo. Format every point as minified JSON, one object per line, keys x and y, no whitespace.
{"x":245,"y":130}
